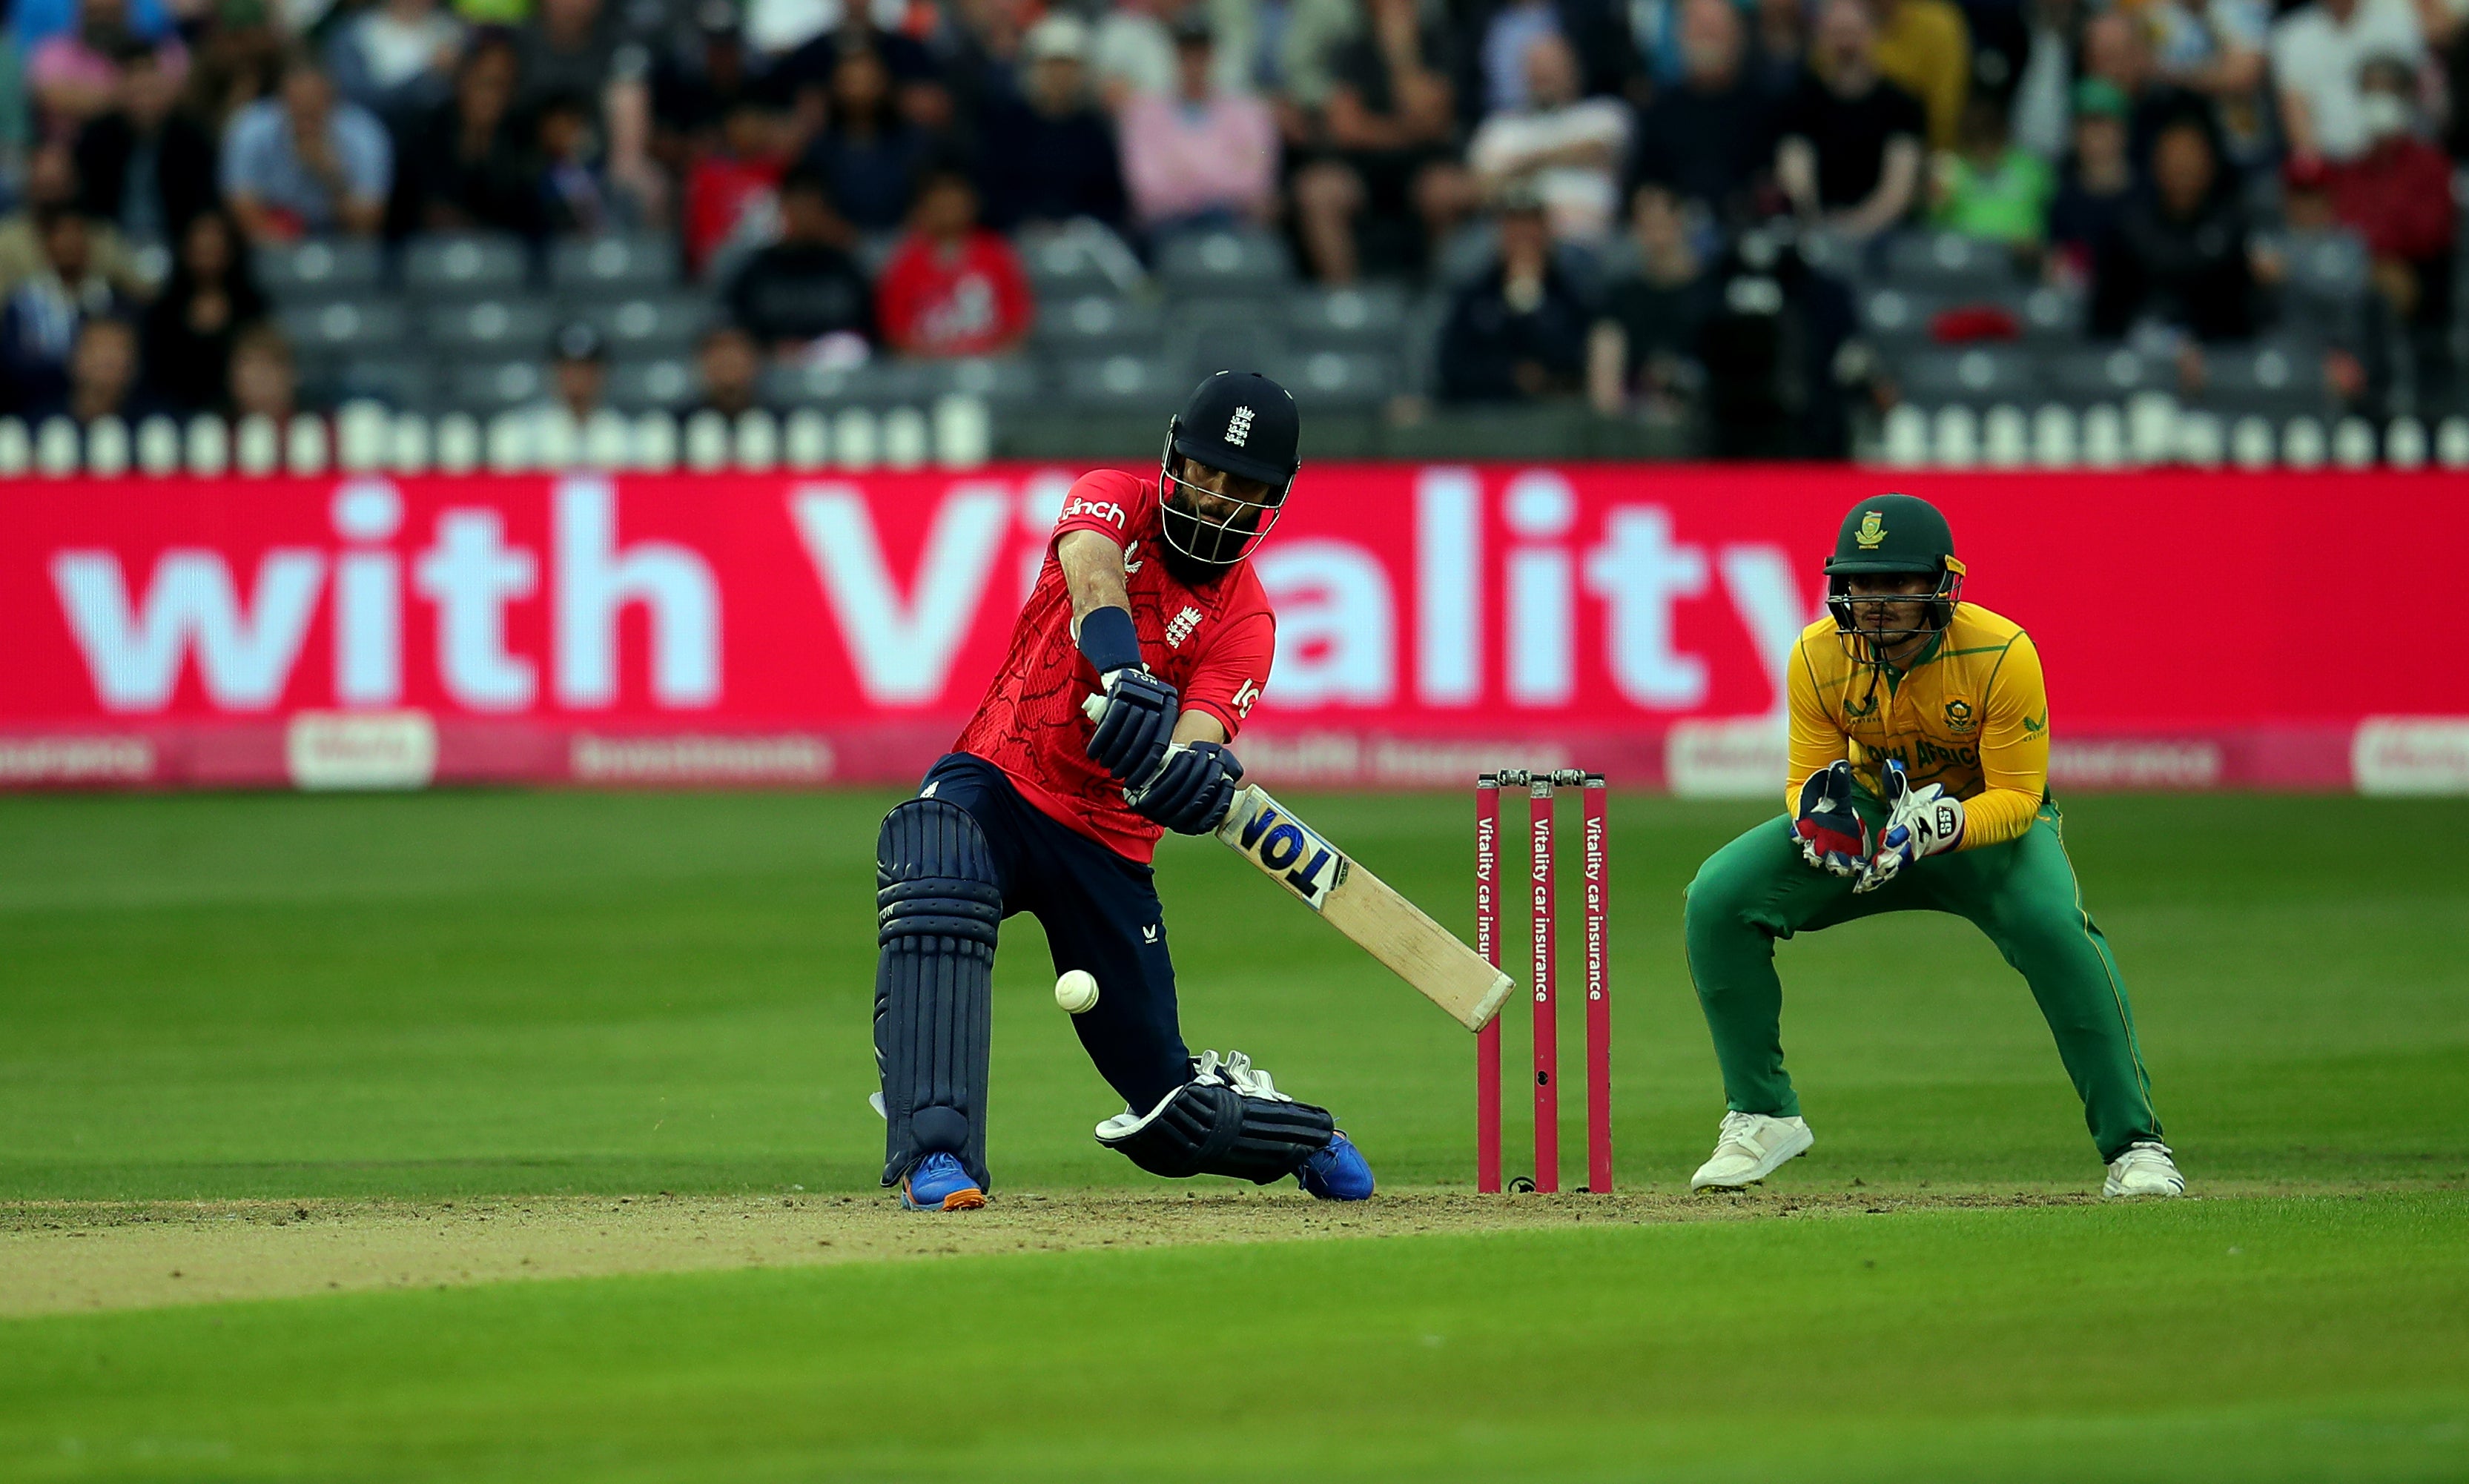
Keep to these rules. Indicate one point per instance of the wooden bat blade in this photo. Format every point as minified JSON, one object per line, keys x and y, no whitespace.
{"x":1365,"y":908}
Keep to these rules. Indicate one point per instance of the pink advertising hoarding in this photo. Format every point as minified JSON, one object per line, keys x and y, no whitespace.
{"x":2200,"y":630}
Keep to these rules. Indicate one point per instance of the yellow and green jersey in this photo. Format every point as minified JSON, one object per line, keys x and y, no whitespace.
{"x":1971,"y":713}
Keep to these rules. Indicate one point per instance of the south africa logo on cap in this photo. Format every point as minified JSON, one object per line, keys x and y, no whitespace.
{"x":1872,"y":534}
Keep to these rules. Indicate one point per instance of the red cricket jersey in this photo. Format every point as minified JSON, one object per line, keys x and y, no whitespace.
{"x":727,"y":199}
{"x":1212,"y":643}
{"x":970,"y":297}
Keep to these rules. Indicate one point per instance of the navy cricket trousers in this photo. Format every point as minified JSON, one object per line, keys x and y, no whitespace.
{"x":1100,"y":913}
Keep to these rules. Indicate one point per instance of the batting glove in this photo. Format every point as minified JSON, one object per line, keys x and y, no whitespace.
{"x":1832,"y":835}
{"x":1192,"y":792}
{"x":1920,"y":822}
{"x":1133,"y":719}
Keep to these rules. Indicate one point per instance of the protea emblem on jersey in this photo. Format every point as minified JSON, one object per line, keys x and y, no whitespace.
{"x":1239,"y":427}
{"x":1178,"y":627}
{"x":1959,"y":715}
{"x":1872,"y":534}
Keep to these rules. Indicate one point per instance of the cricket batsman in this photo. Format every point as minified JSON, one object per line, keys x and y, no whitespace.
{"x":1147,"y":599}
{"x":1919,"y":782}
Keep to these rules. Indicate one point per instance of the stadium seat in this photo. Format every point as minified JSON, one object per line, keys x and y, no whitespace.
{"x":465,"y":265}
{"x":896,"y":382}
{"x":2105,"y":374}
{"x":2326,"y":265}
{"x":893,"y":380}
{"x":1097,"y":322}
{"x":1213,"y":264}
{"x":1366,"y":318}
{"x":482,"y":388}
{"x":345,"y":327}
{"x":998,"y":380}
{"x":581,"y":268}
{"x":647,"y":325}
{"x":2053,"y":315}
{"x":1212,"y":335}
{"x":2274,"y":379}
{"x":788,"y":387}
{"x":1898,"y":317}
{"x":1338,"y":380}
{"x":1081,"y":260}
{"x":1466,"y":253}
{"x":651,"y":386}
{"x":874,"y":384}
{"x":1969,"y":376}
{"x":1125,"y":384}
{"x":488,"y":328}
{"x":317,"y":270}
{"x":1948,"y":261}
{"x":404,"y":383}
{"x":1829,"y":253}
{"x":2326,"y":292}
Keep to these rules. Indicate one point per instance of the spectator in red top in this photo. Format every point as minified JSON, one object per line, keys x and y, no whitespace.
{"x":732,"y":197}
{"x":2397,"y":194}
{"x":952,"y":287}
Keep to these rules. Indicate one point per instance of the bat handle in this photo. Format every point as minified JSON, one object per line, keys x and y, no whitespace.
{"x":1093,"y":706}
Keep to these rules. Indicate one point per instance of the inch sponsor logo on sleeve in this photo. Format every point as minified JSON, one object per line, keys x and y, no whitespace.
{"x":1096,"y":510}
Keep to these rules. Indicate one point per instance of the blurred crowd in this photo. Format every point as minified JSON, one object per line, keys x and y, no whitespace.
{"x":1606,"y":192}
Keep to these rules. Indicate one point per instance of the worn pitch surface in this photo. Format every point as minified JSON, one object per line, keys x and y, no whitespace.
{"x":301,"y":1101}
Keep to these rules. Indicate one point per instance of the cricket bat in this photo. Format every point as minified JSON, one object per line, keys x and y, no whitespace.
{"x":1357,"y":903}
{"x":1365,"y":908}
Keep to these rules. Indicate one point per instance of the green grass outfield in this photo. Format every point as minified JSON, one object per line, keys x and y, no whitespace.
{"x":487,"y":995}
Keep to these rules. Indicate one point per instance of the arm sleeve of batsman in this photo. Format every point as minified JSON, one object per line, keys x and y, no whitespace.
{"x":1139,"y":709}
{"x":2013,"y":750}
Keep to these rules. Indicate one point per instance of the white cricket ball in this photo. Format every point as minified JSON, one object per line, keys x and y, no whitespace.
{"x":1076,"y":990}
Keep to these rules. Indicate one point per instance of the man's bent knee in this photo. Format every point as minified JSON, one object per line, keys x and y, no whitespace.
{"x":1229,"y":1119}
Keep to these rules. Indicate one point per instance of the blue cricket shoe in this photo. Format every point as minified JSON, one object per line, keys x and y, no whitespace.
{"x":938,"y":1183}
{"x":1337,"y":1173}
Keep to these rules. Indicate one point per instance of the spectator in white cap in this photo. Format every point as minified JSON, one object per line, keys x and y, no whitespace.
{"x":2316,"y":51}
{"x":1133,"y":48}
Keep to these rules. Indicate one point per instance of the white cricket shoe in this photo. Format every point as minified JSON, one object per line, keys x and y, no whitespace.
{"x":2145,"y":1169}
{"x":1750,"y":1146}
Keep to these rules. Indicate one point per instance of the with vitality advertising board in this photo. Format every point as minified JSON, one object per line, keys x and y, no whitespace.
{"x":2211,"y":629}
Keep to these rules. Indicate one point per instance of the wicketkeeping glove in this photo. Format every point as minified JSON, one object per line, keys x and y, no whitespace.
{"x":1192,"y":790}
{"x":1832,"y":835}
{"x":1919,"y":822}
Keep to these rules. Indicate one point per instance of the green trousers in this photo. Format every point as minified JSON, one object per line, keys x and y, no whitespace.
{"x":2022,"y":892}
